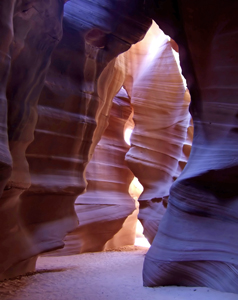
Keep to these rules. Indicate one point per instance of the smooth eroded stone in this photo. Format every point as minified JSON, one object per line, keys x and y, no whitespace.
{"x":73,"y":111}
{"x":30,"y":33}
{"x":197,"y":240}
{"x":57,"y":110}
{"x":161,"y":116}
{"x":104,"y":209}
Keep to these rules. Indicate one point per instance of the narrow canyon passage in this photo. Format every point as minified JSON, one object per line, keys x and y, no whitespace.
{"x":112,"y":275}
{"x":76,"y":76}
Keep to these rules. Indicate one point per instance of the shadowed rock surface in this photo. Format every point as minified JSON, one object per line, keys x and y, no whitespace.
{"x":32,"y":30}
{"x":37,"y":205}
{"x":197,"y":240}
{"x":43,"y":160}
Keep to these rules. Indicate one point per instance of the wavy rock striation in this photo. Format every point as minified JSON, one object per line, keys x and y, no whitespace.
{"x":103,"y":209}
{"x":161,"y":117}
{"x":197,"y":240}
{"x":37,"y":205}
{"x":42,"y":172}
{"x":6,"y":33}
{"x":31,"y":32}
{"x":73,"y":113}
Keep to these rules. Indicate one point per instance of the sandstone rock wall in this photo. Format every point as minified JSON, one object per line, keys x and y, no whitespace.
{"x":6,"y":33}
{"x":31,"y":32}
{"x":106,"y":203}
{"x":196,"y":243}
{"x":48,"y":157}
{"x":104,"y":207}
{"x":42,"y":172}
{"x":161,"y":116}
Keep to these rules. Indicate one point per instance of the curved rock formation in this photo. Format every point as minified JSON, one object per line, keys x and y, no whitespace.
{"x":37,"y":205}
{"x":161,"y":117}
{"x":32,"y":30}
{"x":6,"y":33}
{"x":103,"y":209}
{"x":197,"y":242}
{"x":73,"y":112}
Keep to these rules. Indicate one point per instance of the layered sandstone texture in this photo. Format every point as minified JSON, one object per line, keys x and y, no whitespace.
{"x":160,"y":101}
{"x":30,"y":32}
{"x":197,"y":240}
{"x":44,"y":149}
{"x":54,"y":109}
{"x":106,"y":212}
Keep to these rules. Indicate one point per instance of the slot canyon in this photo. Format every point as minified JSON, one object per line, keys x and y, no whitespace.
{"x":116,"y":113}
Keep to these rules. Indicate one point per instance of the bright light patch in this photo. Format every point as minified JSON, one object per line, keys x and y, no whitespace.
{"x":159,"y":38}
{"x":140,"y":238}
{"x":176,"y":56}
{"x":142,"y":242}
{"x":137,"y":184}
{"x":127,"y":136}
{"x":135,"y":189}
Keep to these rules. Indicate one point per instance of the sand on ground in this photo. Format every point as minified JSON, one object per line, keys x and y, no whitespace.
{"x":114,"y":275}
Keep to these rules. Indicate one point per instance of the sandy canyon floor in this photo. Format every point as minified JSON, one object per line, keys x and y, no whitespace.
{"x":114,"y":275}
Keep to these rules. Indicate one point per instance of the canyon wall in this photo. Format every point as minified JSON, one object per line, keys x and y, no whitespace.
{"x":46,"y":148}
{"x":148,"y":69}
{"x":31,"y":32}
{"x":58,"y":80}
{"x":104,"y":208}
{"x":196,"y":243}
{"x":160,"y":101}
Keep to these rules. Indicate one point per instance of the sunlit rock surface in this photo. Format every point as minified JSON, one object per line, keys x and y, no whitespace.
{"x":197,"y":240}
{"x":161,"y":116}
{"x":102,"y":211}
